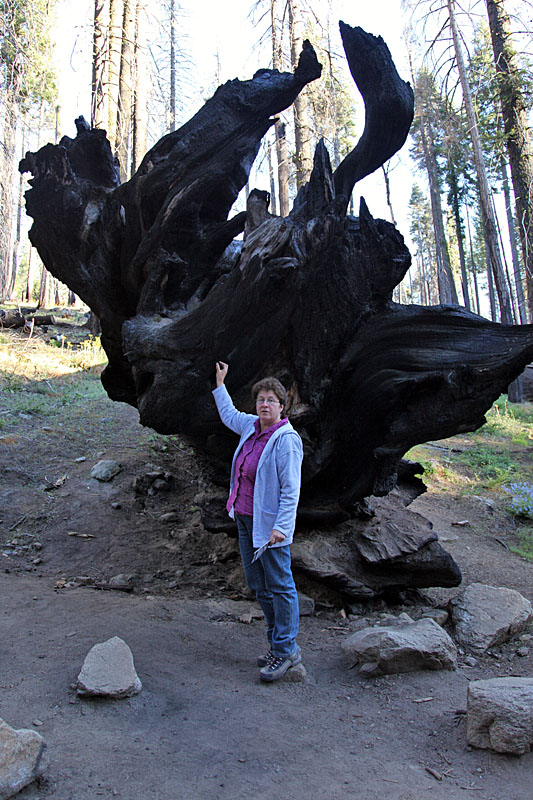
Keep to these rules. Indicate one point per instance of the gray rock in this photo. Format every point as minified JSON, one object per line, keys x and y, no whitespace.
{"x":105,"y":470}
{"x":306,"y":605}
{"x":171,"y":516}
{"x":391,"y":621}
{"x":440,"y":616}
{"x":405,"y":648}
{"x":123,"y":578}
{"x":500,"y":715}
{"x":485,"y":616}
{"x":297,"y":674}
{"x":20,"y":759}
{"x":108,"y":671}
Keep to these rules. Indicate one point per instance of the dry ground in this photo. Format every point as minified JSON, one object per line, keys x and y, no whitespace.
{"x":203,"y":725}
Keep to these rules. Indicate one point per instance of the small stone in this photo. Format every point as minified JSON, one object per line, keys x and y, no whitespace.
{"x":121,"y":579}
{"x":370,"y":669}
{"x":440,"y":616}
{"x":105,"y":470}
{"x":171,"y":516}
{"x":21,"y":752}
{"x":84,"y":580}
{"x":37,"y":723}
{"x":80,"y":460}
{"x":470,"y":661}
{"x":116,"y":506}
{"x":246,"y":618}
{"x":297,"y":674}
{"x":523,"y":652}
{"x":108,"y":670}
{"x":37,"y":545}
{"x":37,"y":561}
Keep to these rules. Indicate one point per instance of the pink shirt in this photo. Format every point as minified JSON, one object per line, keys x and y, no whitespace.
{"x":242,"y":496}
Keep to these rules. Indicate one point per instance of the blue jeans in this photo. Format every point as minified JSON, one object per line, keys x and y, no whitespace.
{"x":271,"y":580}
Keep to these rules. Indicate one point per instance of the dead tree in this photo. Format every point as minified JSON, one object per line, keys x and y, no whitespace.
{"x":307,"y":297}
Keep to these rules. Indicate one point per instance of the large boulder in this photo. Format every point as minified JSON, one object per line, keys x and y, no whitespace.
{"x":485,"y":616}
{"x":108,"y":671}
{"x":500,"y":714}
{"x":403,"y":647}
{"x":20,"y":759}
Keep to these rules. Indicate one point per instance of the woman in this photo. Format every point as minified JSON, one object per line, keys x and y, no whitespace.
{"x":264,"y":492}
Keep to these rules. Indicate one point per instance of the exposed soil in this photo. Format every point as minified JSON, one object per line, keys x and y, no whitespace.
{"x":203,"y":725}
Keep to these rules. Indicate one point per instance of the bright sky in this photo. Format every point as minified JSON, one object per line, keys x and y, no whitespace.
{"x":226,"y":29}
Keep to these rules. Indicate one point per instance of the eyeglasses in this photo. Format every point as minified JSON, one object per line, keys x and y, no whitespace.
{"x":267,"y":400}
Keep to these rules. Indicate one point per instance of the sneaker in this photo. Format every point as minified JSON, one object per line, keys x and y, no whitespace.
{"x":262,"y":661}
{"x":278,"y":666}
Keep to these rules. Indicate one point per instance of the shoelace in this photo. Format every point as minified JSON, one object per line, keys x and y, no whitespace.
{"x":275,"y":662}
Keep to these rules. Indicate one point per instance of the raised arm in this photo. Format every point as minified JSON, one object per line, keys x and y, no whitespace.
{"x":235,"y":420}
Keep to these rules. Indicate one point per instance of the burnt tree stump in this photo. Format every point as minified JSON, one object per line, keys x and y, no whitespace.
{"x":307,"y":298}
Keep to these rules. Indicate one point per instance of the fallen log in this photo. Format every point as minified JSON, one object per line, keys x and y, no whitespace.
{"x":11,"y":319}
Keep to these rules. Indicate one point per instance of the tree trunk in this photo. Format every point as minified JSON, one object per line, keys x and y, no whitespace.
{"x":460,"y":235}
{"x":273,"y":200}
{"x":28,"y":295}
{"x":385,"y":171}
{"x":7,"y":166}
{"x":172,"y":33}
{"x":116,"y":10}
{"x":279,"y":128}
{"x":44,"y":289}
{"x":125,"y":93}
{"x":446,"y":283}
{"x":489,"y":223}
{"x":302,"y":134}
{"x":140,"y":98}
{"x":518,"y":139}
{"x":16,"y":243}
{"x":99,"y":114}
{"x":520,"y":299}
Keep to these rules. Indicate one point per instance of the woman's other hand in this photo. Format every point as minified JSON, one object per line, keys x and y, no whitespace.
{"x":276,"y":537}
{"x":221,"y":370}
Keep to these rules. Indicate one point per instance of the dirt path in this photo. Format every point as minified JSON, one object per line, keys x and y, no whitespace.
{"x":203,"y":725}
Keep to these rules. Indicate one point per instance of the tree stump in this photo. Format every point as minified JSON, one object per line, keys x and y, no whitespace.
{"x":307,"y":297}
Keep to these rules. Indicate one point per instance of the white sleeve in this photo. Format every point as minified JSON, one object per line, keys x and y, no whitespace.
{"x":235,"y":420}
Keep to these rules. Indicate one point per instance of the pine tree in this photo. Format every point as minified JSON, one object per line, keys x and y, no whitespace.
{"x":27,"y":77}
{"x":518,"y":139}
{"x":426,"y":137}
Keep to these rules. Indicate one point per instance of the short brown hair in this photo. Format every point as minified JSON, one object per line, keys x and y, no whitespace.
{"x":270,"y":385}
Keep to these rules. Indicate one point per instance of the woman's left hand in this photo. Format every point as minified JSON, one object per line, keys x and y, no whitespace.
{"x":276,"y":537}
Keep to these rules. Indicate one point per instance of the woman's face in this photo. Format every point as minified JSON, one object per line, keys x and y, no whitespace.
{"x":268,"y":407}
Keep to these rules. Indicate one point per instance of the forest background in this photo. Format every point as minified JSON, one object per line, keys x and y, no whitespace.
{"x":460,"y":192}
